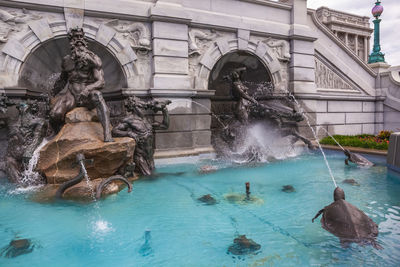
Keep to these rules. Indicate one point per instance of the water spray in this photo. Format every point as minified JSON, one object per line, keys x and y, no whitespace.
{"x":201,"y":105}
{"x":315,"y":136}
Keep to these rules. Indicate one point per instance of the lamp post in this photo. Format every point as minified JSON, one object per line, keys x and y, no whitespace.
{"x":376,"y":55}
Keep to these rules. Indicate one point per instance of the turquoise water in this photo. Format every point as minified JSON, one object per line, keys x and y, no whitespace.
{"x":185,"y":232}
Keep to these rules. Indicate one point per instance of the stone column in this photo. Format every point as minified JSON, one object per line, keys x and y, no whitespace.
{"x":302,"y":63}
{"x":356,"y":43}
{"x":380,"y":68}
{"x":170,"y":56}
{"x":189,"y":130}
{"x":346,"y":38}
{"x":366,"y":49}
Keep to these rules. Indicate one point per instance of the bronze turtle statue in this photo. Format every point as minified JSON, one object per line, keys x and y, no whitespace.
{"x":17,"y":247}
{"x":347,"y":222}
{"x":243,"y":245}
{"x":207,"y":199}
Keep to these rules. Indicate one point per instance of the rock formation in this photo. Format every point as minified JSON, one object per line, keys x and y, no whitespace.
{"x":83,"y":134}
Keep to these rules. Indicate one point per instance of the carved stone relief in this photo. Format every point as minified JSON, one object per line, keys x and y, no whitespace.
{"x":13,"y":21}
{"x":198,"y":40}
{"x":327,"y":78}
{"x":280,"y":48}
{"x":136,"y":33}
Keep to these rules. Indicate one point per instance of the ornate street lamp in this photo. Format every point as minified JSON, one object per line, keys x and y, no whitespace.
{"x":376,"y":55}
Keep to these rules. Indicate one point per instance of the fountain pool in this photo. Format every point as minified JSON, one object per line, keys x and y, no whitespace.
{"x":161,"y":222}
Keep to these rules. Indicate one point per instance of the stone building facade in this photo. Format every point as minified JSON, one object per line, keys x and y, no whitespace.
{"x":171,"y":49}
{"x":354,"y":31}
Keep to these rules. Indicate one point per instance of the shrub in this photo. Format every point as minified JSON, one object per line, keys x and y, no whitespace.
{"x":362,"y":140}
{"x":384,"y":135}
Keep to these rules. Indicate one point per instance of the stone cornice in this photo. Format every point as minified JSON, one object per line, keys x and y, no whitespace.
{"x":269,"y":3}
{"x":33,"y":6}
{"x":337,"y":12}
{"x":342,"y":97}
{"x":334,"y":38}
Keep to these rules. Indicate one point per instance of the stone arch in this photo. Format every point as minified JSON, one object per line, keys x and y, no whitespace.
{"x":22,"y":45}
{"x":43,"y":65}
{"x":243,"y":43}
{"x":255,"y":76}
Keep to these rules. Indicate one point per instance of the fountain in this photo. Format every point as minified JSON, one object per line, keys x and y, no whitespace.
{"x":71,"y":144}
{"x":49,"y":133}
{"x":248,"y":112}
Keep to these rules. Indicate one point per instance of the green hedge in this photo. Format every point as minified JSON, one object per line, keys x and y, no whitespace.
{"x":362,"y":140}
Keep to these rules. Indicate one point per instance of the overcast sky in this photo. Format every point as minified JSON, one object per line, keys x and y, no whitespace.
{"x":390,"y":24}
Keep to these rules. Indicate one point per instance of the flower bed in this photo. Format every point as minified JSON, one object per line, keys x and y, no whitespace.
{"x":380,"y":141}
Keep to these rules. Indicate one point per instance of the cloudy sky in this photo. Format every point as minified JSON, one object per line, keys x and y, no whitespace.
{"x":390,"y":29}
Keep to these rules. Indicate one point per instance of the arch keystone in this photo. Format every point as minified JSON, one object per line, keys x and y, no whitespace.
{"x":243,"y":39}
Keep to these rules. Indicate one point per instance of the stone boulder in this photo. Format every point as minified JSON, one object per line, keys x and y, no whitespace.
{"x":83,"y":134}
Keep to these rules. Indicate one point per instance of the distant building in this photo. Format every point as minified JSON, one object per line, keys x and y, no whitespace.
{"x":353,"y":30}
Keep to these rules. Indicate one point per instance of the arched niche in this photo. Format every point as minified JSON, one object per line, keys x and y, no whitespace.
{"x":256,"y":73}
{"x":256,"y":77}
{"x":42,"y":66}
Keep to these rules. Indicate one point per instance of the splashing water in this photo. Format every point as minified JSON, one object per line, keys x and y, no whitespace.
{"x":88,"y":183}
{"x":100,"y":226}
{"x":29,"y":175}
{"x":266,"y":144}
{"x":331,"y":136}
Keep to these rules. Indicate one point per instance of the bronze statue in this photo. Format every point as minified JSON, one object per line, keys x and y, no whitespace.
{"x":243,"y":245}
{"x":25,"y":135}
{"x":348,"y":222}
{"x":137,"y":126}
{"x":248,"y":109}
{"x":4,"y":104}
{"x":240,"y":94}
{"x":356,"y":158}
{"x":79,"y":84}
{"x":17,"y":247}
